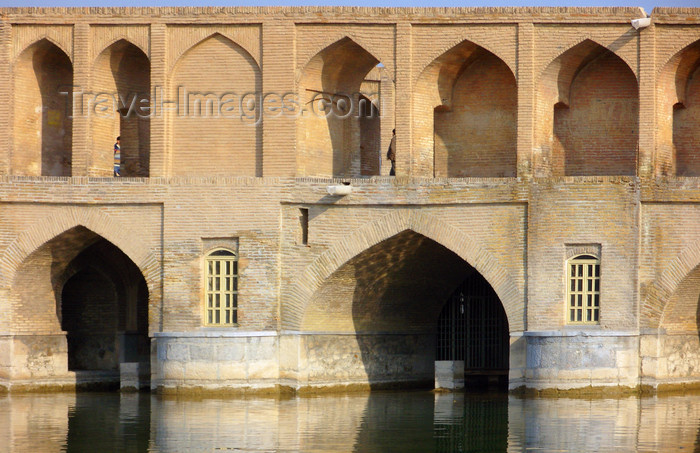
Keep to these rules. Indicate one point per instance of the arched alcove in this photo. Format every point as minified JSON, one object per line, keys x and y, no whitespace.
{"x":678,"y":114}
{"x":587,"y":114}
{"x":122,"y":79}
{"x":42,"y":132}
{"x":465,"y":109}
{"x":339,"y":133}
{"x":219,"y":113}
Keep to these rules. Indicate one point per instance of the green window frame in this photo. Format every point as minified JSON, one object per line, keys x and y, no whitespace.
{"x":221,"y":288}
{"x":583,"y":290}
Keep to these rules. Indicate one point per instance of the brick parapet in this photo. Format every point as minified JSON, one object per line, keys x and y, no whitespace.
{"x":352,"y":14}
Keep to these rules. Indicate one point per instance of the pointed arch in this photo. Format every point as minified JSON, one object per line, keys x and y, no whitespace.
{"x":42,"y":124}
{"x":333,"y":39}
{"x":214,"y":116}
{"x":587,"y":108}
{"x":388,"y":226}
{"x":466,"y":91}
{"x":678,"y":106}
{"x":142,"y":254}
{"x":122,"y":37}
{"x":122,"y":70}
{"x":215,"y":34}
{"x":437,"y":53}
{"x":332,"y":134}
{"x":667,"y":285}
{"x":587,"y":41}
{"x":48,"y":39}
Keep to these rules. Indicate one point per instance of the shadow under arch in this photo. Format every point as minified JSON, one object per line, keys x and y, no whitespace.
{"x":80,"y":300}
{"x":334,"y":133}
{"x":216,"y":111}
{"x":588,"y":114}
{"x":494,"y":271}
{"x":389,"y":298}
{"x":145,"y":256}
{"x":465,"y":115}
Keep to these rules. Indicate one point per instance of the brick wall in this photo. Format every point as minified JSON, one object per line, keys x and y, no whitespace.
{"x":518,"y":138}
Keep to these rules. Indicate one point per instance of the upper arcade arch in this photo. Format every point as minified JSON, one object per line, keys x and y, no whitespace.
{"x":122,"y":71}
{"x":678,"y":114}
{"x":465,"y":115}
{"x":587,"y":114}
{"x":443,"y":234}
{"x":215,"y":117}
{"x":337,"y":135}
{"x":42,"y":129}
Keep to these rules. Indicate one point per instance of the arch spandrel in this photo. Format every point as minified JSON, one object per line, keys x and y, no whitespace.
{"x":103,"y":50}
{"x":423,"y":64}
{"x":677,"y":43}
{"x":104,"y":36}
{"x":123,"y":237}
{"x":366,"y":39}
{"x":660,"y":291}
{"x":605,"y":42}
{"x":246,"y":37}
{"x":488,"y":265}
{"x":25,"y":36}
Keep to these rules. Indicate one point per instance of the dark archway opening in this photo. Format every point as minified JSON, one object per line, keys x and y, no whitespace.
{"x":473,"y":329}
{"x":104,"y":312}
{"x":375,"y":319}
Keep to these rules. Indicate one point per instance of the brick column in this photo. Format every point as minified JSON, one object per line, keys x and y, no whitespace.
{"x":278,"y":128}
{"x":81,"y":158}
{"x":159,"y":155}
{"x":388,"y":118}
{"x":526,"y":98}
{"x":647,"y":102}
{"x":5,"y":97}
{"x":404,"y":99}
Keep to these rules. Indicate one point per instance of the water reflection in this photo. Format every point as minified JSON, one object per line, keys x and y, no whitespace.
{"x":377,"y":422}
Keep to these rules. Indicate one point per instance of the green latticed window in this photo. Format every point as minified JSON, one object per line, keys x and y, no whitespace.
{"x":221,"y":288}
{"x":583,"y":290}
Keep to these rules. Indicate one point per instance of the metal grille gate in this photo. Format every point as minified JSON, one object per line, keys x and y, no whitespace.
{"x":473,"y":327}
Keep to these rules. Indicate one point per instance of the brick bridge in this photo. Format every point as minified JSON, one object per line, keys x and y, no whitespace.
{"x":552,"y":153}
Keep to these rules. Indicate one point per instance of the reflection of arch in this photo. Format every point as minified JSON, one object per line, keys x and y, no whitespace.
{"x":678,"y":106}
{"x":99,"y":223}
{"x":214,"y":120}
{"x":465,"y":109}
{"x":122,"y":69}
{"x":390,"y":225}
{"x":588,"y":108}
{"x":42,"y":138}
{"x":330,"y":133}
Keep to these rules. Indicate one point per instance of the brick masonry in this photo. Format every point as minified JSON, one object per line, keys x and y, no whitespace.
{"x":523,"y":136}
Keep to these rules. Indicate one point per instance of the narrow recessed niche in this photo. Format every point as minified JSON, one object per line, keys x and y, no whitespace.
{"x":304,"y":220}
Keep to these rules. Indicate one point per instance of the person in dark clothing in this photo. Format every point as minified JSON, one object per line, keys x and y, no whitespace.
{"x":391,"y":153}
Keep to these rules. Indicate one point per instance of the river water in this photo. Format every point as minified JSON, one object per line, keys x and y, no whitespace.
{"x":361,"y":422}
